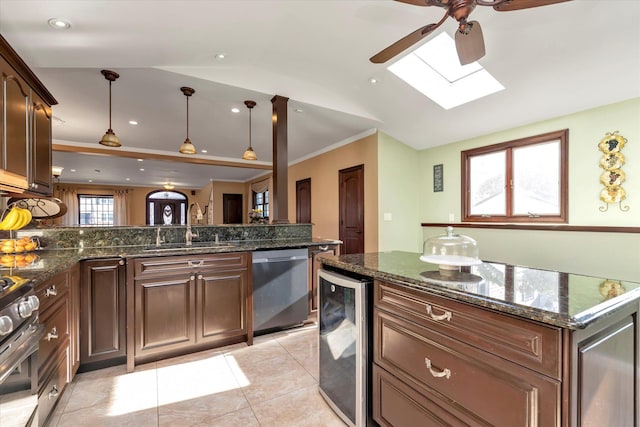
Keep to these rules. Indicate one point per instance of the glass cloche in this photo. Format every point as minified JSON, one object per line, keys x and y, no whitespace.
{"x":450,"y":251}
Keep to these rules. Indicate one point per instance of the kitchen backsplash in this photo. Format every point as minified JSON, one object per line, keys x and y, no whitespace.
{"x":96,"y":237}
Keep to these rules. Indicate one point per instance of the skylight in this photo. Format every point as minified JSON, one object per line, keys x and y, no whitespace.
{"x":434,"y":70}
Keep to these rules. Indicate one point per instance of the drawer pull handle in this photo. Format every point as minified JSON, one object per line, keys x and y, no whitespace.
{"x":446,"y":316}
{"x":53,"y":334}
{"x":446,"y":372}
{"x":54,"y":392}
{"x":51,"y":291}
{"x":200,"y":276}
{"x":198,"y":263}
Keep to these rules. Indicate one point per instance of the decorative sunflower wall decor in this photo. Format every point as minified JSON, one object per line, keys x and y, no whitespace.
{"x":613,"y":176}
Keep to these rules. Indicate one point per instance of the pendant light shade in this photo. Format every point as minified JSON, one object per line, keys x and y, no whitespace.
{"x":109,"y":138}
{"x":187,"y":147}
{"x":249,"y":154}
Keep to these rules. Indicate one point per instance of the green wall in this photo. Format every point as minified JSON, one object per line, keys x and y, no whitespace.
{"x":398,"y":196}
{"x":614,"y":255}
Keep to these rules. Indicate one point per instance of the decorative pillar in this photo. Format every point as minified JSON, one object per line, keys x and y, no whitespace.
{"x":278,"y":204}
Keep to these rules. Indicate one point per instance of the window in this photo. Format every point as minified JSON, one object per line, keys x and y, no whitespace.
{"x":261,"y":203}
{"x":95,"y":210}
{"x":524,"y":180}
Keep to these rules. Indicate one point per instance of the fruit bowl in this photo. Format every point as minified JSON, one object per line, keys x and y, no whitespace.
{"x":21,"y":245}
{"x":18,"y":260}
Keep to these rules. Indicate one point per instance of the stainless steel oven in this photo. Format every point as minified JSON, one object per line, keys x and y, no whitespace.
{"x":344,"y":345}
{"x":20,"y":333}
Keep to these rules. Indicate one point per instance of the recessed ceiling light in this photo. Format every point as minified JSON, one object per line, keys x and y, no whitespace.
{"x":127,"y":179}
{"x":373,"y":80}
{"x":220,"y":56}
{"x":141,"y":169}
{"x":235,"y":110}
{"x":59,"y":24}
{"x":133,"y":122}
{"x":141,"y":160}
{"x":299,"y":110}
{"x":90,"y":180}
{"x":203,"y":151}
{"x":72,"y":170}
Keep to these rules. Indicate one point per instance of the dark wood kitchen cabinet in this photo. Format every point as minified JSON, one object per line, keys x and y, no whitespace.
{"x":56,"y":362}
{"x":442,"y":362}
{"x":25,"y":127}
{"x":188,"y":303}
{"x":102,"y":313}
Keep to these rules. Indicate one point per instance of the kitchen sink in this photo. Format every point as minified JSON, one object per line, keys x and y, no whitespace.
{"x":182,"y":246}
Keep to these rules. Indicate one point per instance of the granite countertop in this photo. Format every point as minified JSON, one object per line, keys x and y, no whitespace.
{"x":51,"y":262}
{"x":570,"y":301}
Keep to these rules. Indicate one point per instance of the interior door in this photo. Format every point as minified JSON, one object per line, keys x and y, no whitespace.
{"x":351,"y":208}
{"x":166,"y":212}
{"x":232,"y":208}
{"x":303,"y":201}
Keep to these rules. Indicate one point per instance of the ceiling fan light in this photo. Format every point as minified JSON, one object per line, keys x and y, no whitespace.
{"x":187,"y":147}
{"x":249,"y":154}
{"x":110,"y":139}
{"x":470,"y":43}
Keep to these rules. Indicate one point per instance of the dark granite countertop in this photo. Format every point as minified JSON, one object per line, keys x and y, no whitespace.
{"x":566,"y":300}
{"x":51,"y":262}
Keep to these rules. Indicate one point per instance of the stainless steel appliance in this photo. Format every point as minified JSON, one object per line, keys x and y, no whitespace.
{"x":344,"y":345}
{"x":280,"y":288}
{"x":20,"y":334}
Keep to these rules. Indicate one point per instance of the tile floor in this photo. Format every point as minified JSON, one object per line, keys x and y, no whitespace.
{"x":272,"y":383}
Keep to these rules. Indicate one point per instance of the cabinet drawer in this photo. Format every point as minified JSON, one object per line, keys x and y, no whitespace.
{"x":398,"y":405}
{"x":53,"y":290}
{"x":527,"y":343}
{"x":464,"y":375}
{"x":56,"y":333}
{"x":162,"y":266}
{"x":52,"y":389}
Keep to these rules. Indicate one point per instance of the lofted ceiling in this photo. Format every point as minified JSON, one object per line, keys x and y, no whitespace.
{"x":552,"y":60}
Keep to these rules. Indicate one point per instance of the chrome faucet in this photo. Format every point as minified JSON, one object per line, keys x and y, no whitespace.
{"x":189,"y":235}
{"x":159,"y":239}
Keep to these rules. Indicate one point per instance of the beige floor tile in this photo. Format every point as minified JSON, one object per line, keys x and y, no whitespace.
{"x":303,"y":346}
{"x":102,"y":416}
{"x":260,"y":351}
{"x":241,"y":418}
{"x":300,"y":408}
{"x":269,"y":378}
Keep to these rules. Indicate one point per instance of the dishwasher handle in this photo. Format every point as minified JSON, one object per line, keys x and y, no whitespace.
{"x":279,"y":259}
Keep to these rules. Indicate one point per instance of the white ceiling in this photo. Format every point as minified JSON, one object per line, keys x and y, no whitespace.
{"x":552,"y":60}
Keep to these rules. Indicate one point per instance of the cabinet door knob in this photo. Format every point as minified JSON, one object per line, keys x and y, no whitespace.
{"x":446,"y":372}
{"x":121,"y":262}
{"x":53,"y":334}
{"x":445,"y":316}
{"x":200,"y":276}
{"x":51,"y":291}
{"x":192,"y":278}
{"x":198,"y":263}
{"x":54,"y":392}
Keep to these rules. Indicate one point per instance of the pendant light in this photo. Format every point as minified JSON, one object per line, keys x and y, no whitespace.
{"x":109,"y":138}
{"x":249,"y":154}
{"x":187,"y":147}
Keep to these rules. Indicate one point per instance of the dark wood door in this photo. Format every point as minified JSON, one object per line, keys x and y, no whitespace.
{"x":221,"y":310}
{"x":102,"y":319}
{"x":232,"y":208}
{"x":303,"y":201}
{"x":40,"y":170}
{"x":16,"y":119}
{"x":166,"y":212}
{"x":351,"y":208}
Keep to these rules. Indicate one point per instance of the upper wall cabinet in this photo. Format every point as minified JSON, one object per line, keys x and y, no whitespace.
{"x":25,"y":127}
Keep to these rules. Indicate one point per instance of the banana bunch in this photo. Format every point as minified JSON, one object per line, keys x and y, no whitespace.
{"x":16,"y":219}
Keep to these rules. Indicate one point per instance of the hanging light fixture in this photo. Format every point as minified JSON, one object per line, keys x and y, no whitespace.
{"x":187,"y":147}
{"x":249,"y":154}
{"x":109,"y":138}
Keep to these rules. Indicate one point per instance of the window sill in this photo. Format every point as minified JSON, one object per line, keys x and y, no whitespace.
{"x":541,"y":227}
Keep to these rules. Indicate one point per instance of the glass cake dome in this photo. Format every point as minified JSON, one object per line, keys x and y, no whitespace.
{"x":450,"y":251}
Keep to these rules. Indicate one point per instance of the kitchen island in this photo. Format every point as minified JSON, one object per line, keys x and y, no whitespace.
{"x":506,"y":346}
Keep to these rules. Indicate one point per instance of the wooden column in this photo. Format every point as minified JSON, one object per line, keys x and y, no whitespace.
{"x":278,"y":204}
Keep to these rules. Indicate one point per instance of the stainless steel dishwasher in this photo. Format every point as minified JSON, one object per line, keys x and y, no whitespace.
{"x":280,"y":289}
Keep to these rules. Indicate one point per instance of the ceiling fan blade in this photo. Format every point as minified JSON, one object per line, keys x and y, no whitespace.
{"x":470,"y":44}
{"x":524,"y":4}
{"x":406,"y":42}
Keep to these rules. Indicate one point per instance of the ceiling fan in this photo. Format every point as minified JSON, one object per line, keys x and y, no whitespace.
{"x":468,"y":38}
